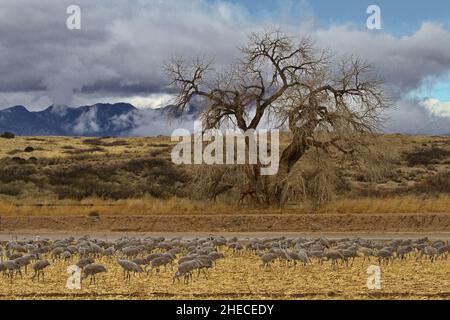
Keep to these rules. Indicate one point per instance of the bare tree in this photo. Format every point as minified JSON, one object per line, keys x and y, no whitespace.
{"x":323,"y":101}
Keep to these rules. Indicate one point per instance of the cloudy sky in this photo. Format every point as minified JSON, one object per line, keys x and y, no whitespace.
{"x":118,"y":52}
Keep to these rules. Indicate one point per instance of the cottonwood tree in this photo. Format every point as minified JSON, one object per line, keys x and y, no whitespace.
{"x":322,"y":100}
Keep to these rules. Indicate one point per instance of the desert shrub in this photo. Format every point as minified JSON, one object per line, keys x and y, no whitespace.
{"x":209,"y":182}
{"x":92,"y":186}
{"x":7,"y":135}
{"x":13,"y":170}
{"x":375,"y":168}
{"x":94,"y":214}
{"x":426,"y":157}
{"x":160,"y":145}
{"x":92,"y":142}
{"x":19,"y":160}
{"x":36,"y":139}
{"x":102,"y":143}
{"x":29,"y":149}
{"x":14,"y":152}
{"x":438,"y":183}
{"x":10,"y":189}
{"x":321,"y":186}
{"x":295,"y":188}
{"x":85,"y":151}
{"x":117,"y":180}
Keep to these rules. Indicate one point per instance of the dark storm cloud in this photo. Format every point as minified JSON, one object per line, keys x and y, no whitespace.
{"x":122,"y":45}
{"x":119,"y":49}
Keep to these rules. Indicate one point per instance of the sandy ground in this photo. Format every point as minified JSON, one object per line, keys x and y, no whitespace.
{"x":426,"y":223}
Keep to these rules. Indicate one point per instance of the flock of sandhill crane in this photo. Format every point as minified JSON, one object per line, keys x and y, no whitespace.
{"x":197,"y":256}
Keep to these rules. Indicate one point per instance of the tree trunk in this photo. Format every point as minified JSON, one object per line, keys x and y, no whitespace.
{"x":290,"y":156}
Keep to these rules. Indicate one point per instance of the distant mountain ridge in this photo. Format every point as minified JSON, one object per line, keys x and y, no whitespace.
{"x":98,"y":120}
{"x":103,"y":119}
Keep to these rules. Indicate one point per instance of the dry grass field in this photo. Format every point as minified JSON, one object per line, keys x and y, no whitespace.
{"x":57,"y":184}
{"x":240,"y":276}
{"x":75,"y":176}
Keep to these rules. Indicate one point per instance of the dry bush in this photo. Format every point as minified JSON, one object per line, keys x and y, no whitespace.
{"x":210,"y":182}
{"x":128,"y":179}
{"x":13,"y":170}
{"x":82,"y":151}
{"x":438,"y":183}
{"x":321,"y":186}
{"x":102,"y":143}
{"x":7,"y":135}
{"x":11,"y":189}
{"x":376,"y":167}
{"x":295,"y":188}
{"x":426,"y":157}
{"x":86,"y":176}
{"x":14,"y":152}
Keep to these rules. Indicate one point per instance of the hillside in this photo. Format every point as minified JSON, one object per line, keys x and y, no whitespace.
{"x":112,"y":170}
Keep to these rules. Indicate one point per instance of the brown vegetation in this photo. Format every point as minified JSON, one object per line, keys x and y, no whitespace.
{"x":145,"y":181}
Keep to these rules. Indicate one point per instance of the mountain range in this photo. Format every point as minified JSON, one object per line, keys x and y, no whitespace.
{"x":123,"y":119}
{"x":98,"y":120}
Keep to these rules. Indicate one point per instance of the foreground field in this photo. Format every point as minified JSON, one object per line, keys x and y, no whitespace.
{"x":239,"y":275}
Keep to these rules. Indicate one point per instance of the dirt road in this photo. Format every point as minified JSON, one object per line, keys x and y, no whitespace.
{"x":425,"y":223}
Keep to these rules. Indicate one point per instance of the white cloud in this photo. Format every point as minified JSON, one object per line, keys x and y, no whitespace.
{"x":87,"y":123}
{"x":437,"y":108}
{"x":153,"y":101}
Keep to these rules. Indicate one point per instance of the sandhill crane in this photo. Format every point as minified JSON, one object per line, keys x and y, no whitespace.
{"x":109,"y":252}
{"x":91,"y":270}
{"x":56,"y":253}
{"x":403,"y":251}
{"x":267,"y":259}
{"x":443,"y":251}
{"x":130,"y":252}
{"x":366,"y":253}
{"x":350,"y":253}
{"x":215,"y":256}
{"x":13,"y":256}
{"x":185,"y":270}
{"x":66,"y":255}
{"x":301,"y":256}
{"x":11,"y":266}
{"x":334,"y":256}
{"x":384,"y":255}
{"x":39,"y":267}
{"x":140,"y":262}
{"x":84,"y":262}
{"x":3,"y":268}
{"x":161,"y":261}
{"x":24,"y":261}
{"x":152,"y":256}
{"x":128,"y":267}
{"x":429,"y":251}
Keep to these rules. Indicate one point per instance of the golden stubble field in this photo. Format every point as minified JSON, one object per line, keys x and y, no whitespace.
{"x":240,"y":277}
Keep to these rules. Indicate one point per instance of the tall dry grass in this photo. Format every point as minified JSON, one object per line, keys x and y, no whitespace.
{"x":390,"y":205}
{"x":177,"y":206}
